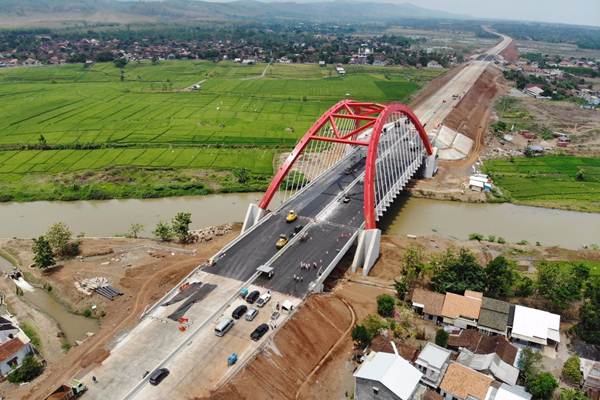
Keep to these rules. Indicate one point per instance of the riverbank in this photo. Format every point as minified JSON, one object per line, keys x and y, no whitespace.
{"x":143,"y":269}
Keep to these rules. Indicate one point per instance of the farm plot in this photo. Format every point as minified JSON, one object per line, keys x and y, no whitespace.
{"x":550,"y":181}
{"x":145,"y":117}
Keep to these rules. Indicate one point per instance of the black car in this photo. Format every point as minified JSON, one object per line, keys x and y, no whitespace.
{"x":259,"y":332}
{"x":158,"y":375}
{"x":239,"y":311}
{"x":252,"y":297}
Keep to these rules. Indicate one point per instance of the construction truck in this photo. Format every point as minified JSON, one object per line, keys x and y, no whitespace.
{"x":68,"y":392}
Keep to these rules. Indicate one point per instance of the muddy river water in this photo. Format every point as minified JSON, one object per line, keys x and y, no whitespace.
{"x":408,"y":215}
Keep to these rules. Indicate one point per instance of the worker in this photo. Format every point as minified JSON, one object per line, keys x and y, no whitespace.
{"x":94,"y":379}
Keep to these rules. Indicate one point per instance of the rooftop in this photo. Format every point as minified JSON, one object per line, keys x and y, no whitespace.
{"x":467,"y":306}
{"x":535,"y":325}
{"x":479,"y":343}
{"x":491,"y":363}
{"x":508,"y":392}
{"x":494,"y":314}
{"x":393,"y":371}
{"x":9,"y":348}
{"x":463,"y":382}
{"x":432,"y":302}
{"x":434,"y":356}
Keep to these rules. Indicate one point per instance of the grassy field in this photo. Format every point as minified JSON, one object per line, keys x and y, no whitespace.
{"x":146,"y":117}
{"x":549,"y":181}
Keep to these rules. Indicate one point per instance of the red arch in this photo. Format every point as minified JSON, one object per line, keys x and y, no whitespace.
{"x":370,"y":170}
{"x":375,"y":115}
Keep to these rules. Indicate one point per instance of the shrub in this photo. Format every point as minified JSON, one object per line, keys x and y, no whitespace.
{"x":501,"y":240}
{"x":374,"y":324}
{"x":401,"y":288}
{"x":476,"y":236}
{"x":361,"y":336}
{"x":385,"y":305}
{"x":29,"y":370}
{"x":163,"y":231}
{"x":571,"y":372}
{"x":87,"y":313}
{"x":542,"y":386}
{"x":491,"y":238}
{"x":441,"y":337}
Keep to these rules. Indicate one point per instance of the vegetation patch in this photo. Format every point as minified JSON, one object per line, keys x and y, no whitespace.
{"x":566,"y":182}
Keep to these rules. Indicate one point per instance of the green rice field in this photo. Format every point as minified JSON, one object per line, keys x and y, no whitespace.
{"x":549,"y":181}
{"x":146,"y":117}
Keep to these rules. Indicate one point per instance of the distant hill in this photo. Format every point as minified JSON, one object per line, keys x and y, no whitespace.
{"x":190,"y":10}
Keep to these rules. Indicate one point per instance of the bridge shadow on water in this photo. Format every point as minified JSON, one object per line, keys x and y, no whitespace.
{"x":393,"y":211}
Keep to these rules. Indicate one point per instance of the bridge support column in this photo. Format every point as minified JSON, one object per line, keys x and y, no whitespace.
{"x":253,"y":215}
{"x":367,"y":250}
{"x":431,"y":164}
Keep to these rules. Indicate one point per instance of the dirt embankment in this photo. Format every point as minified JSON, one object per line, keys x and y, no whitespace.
{"x":143,"y":269}
{"x":290,"y":357}
{"x":510,"y":53}
{"x":470,"y":117}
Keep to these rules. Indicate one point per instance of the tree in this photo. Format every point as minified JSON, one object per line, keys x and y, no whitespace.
{"x":42,"y":141}
{"x":30,"y":369}
{"x":155,"y":60}
{"x":361,"y":336}
{"x":401,"y":288}
{"x":500,"y":276}
{"x":104,"y":56}
{"x":374,"y":324}
{"x":572,"y":394}
{"x":524,"y":286}
{"x":541,"y":386}
{"x":385,"y":305}
{"x":529,"y":363}
{"x":120,"y":62}
{"x":580,"y":176}
{"x":589,"y":315}
{"x":571,"y":371}
{"x":59,"y":236}
{"x":181,"y":226}
{"x":163,"y":231}
{"x":413,"y":263}
{"x":134,"y":230}
{"x":441,"y":337}
{"x":457,"y":273}
{"x":42,"y":253}
{"x":561,"y":286}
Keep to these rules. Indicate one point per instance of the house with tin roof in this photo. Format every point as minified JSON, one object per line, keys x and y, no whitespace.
{"x":433,"y":362}
{"x":386,"y":376}
{"x":534,"y":327}
{"x":479,"y":343}
{"x":489,"y":364}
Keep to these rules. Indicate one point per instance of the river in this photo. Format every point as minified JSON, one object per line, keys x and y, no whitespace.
{"x":408,"y":215}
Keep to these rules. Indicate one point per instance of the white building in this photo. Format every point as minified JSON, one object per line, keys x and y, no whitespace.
{"x":534,"y":327}
{"x":386,"y":376}
{"x":507,"y":392}
{"x":433,"y":362}
{"x":14,"y":345}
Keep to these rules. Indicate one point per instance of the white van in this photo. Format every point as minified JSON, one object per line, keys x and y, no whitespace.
{"x":223,"y":326}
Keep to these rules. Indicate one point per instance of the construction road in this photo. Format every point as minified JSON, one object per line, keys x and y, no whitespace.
{"x":195,"y":357}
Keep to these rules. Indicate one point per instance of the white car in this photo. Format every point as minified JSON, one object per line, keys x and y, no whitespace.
{"x":263,"y":299}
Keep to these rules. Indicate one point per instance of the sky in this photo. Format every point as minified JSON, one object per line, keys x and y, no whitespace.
{"x":580,"y":12}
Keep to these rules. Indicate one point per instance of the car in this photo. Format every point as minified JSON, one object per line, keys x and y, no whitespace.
{"x":297,"y":229}
{"x":282,"y":241}
{"x":251,"y":314}
{"x":158,"y":375}
{"x":275,"y":315}
{"x":291,"y":216}
{"x":252,"y":296}
{"x":346,"y":199}
{"x":259,"y":332}
{"x":239,"y":311}
{"x":224,"y":326}
{"x":264,"y":299}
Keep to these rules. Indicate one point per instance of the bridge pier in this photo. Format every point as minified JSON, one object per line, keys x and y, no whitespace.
{"x":367,"y":250}
{"x":431,"y":164}
{"x":253,"y":215}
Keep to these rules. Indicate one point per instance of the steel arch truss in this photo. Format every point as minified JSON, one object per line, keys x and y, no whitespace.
{"x":395,"y":140}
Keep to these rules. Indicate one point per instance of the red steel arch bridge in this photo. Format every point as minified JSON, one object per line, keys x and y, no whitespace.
{"x":340,"y":178}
